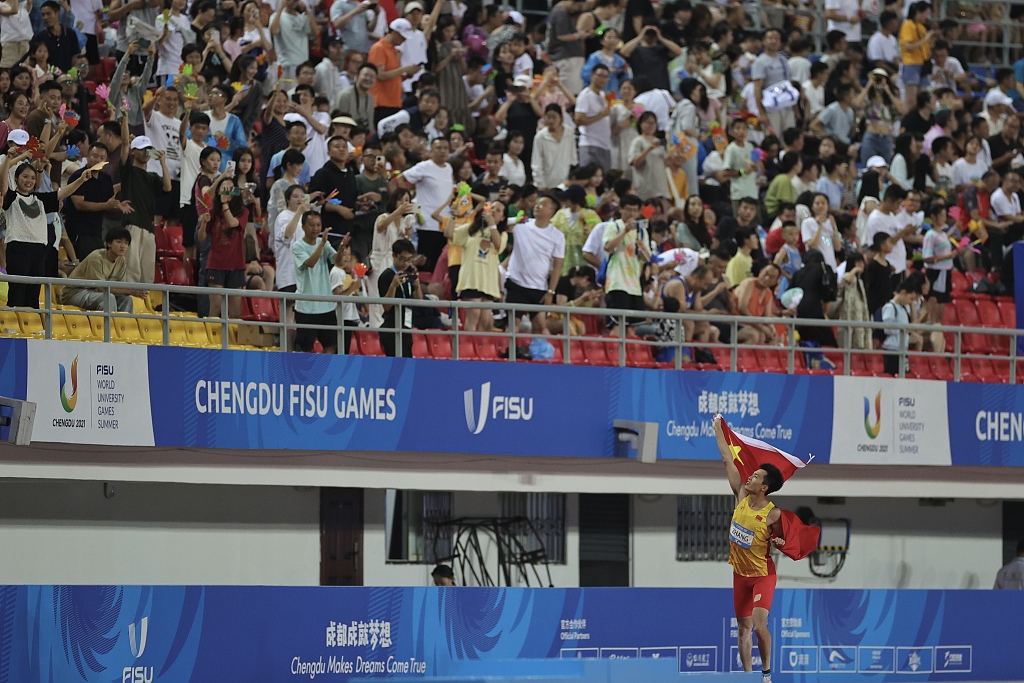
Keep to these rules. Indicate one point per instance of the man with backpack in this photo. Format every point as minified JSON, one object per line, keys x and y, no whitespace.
{"x":897,"y":312}
{"x":627,"y":248}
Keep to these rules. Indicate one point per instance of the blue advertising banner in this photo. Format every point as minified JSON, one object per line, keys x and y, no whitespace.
{"x":200,"y":398}
{"x":142,"y":634}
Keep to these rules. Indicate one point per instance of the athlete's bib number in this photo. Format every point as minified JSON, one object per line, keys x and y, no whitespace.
{"x":741,"y":536}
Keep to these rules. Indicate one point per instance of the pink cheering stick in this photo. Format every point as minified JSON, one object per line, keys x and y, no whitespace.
{"x":966,"y":243}
{"x":102,"y":91}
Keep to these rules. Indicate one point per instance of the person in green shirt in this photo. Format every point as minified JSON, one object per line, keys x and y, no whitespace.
{"x":313,"y":259}
{"x":108,"y":265}
{"x":781,"y":188}
{"x":739,"y":165}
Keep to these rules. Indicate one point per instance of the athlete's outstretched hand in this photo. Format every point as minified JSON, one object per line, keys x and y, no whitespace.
{"x":778,"y":541}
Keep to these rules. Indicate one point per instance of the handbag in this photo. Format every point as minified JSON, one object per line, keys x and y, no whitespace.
{"x":780,"y":96}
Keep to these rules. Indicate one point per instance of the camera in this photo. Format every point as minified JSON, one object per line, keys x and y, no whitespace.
{"x":411,"y":274}
{"x":650,"y":33}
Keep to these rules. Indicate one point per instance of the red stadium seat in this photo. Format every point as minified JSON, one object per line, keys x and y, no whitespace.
{"x":595,"y":352}
{"x":773,"y":360}
{"x":369,"y":343}
{"x":1007,"y":313}
{"x":941,"y":369}
{"x":420,"y":346}
{"x":983,"y":370}
{"x":746,"y":360}
{"x":486,"y":348}
{"x":639,"y":356}
{"x":169,"y":240}
{"x":467,"y":349}
{"x":611,"y":349}
{"x":960,"y":284}
{"x":260,"y":309}
{"x":577,"y":355}
{"x":440,"y":346}
{"x":967,"y":313}
{"x":174,"y":272}
{"x":920,"y":367}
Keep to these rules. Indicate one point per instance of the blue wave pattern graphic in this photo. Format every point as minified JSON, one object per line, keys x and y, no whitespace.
{"x":66,"y":634}
{"x":72,"y":634}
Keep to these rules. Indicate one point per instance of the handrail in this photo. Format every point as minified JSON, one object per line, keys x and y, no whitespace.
{"x":517,"y":338}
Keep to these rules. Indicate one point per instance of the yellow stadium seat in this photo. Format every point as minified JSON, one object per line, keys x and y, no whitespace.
{"x":78,"y":327}
{"x":195,"y":333}
{"x":155,"y":300}
{"x":9,"y":325}
{"x":177,"y":333}
{"x":31,"y":323}
{"x":125,"y":330}
{"x":96,"y":321}
{"x":152,"y":331}
{"x":59,"y":327}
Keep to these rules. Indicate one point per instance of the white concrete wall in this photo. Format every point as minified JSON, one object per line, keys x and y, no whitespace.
{"x":68,"y":532}
{"x":895,"y":543}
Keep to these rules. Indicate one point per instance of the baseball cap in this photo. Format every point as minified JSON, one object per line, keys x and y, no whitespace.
{"x":18,"y":136}
{"x":515,"y":17}
{"x":344,"y":121}
{"x":877,"y":162}
{"x":574,"y":193}
{"x":141,"y":142}
{"x":880,"y":72}
{"x":995,"y":97}
{"x":403,"y":28}
{"x":292,"y":116}
{"x":522,"y":81}
{"x":413,"y":6}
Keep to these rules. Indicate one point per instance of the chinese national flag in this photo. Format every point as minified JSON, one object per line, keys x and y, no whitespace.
{"x":748,"y":454}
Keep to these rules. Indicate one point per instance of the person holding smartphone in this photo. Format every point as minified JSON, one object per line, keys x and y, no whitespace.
{"x":400,"y":281}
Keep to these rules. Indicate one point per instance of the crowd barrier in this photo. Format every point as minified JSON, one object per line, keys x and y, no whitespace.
{"x":133,"y":395}
{"x":62,"y":634}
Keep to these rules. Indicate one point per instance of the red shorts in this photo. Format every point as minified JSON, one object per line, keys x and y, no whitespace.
{"x":749,"y":592}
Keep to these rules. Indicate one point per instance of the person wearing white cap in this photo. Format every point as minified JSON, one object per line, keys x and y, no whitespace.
{"x":291,"y":27}
{"x":414,"y":49}
{"x":998,"y":106}
{"x":385,"y":55}
{"x":140,"y":188}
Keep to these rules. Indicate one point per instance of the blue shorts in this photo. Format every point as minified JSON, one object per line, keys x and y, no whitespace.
{"x":911,"y":74}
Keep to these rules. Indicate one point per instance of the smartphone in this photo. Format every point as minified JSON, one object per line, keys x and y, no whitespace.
{"x":382,"y":161}
{"x":143,"y":43}
{"x":230,"y":168}
{"x":151,"y":154}
{"x":215,"y":36}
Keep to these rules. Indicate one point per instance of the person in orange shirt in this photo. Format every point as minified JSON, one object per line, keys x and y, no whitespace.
{"x":755,"y":528}
{"x":387,"y":91}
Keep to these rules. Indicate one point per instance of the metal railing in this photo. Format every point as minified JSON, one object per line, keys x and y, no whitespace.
{"x":517,"y":340}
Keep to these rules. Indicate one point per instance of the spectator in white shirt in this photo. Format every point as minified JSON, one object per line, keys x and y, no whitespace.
{"x":883,"y":219}
{"x":799,"y":65}
{"x":536,"y":262}
{"x":291,"y":28}
{"x":814,"y":90}
{"x":328,"y":71}
{"x":884,"y":47}
{"x":1005,"y":202}
{"x":845,"y":16}
{"x":593,"y":117}
{"x":947,"y":71}
{"x":554,"y":150}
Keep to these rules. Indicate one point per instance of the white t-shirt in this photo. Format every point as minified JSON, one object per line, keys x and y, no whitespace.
{"x":189,"y":171}
{"x":283,"y":249}
{"x":513,"y":170}
{"x":1002,"y":205}
{"x":316,"y":143}
{"x":347,"y":311}
{"x":945,"y":75}
{"x":414,"y":51}
{"x":661,"y":103}
{"x":713,"y":162}
{"x":879,"y":221}
{"x":532,"y":254}
{"x":599,"y":133}
{"x":799,"y":69}
{"x":815,"y":97}
{"x":847,"y":8}
{"x":433,"y":185}
{"x":523,"y":65}
{"x":85,"y":16}
{"x":826,"y":245}
{"x":966,"y":173}
{"x":884,"y":48}
{"x":179,"y":32}
{"x":163,"y":132}
{"x":595,"y":242}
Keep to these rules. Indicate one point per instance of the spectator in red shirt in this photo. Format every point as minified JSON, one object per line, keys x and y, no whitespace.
{"x":225,"y":266}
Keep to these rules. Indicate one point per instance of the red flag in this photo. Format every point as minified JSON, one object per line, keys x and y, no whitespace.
{"x":748,"y":454}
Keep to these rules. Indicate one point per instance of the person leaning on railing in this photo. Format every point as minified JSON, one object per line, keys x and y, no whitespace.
{"x":400,"y":281}
{"x":108,"y":265}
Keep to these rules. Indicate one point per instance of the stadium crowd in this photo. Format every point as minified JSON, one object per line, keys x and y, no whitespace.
{"x":619,"y":153}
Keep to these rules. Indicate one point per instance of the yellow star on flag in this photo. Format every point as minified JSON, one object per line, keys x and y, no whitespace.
{"x":736,"y":452}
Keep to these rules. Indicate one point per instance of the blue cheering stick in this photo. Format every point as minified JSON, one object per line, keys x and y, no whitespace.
{"x":73,"y":152}
{"x":334,"y":201}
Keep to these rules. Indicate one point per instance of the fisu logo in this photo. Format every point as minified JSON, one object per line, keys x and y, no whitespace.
{"x":872,"y":430}
{"x":498,"y":408}
{"x":137,"y":643}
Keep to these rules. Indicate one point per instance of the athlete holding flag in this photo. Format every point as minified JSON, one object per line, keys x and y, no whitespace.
{"x":755,"y":470}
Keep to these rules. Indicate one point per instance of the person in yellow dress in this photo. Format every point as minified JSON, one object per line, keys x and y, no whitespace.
{"x":755,"y":527}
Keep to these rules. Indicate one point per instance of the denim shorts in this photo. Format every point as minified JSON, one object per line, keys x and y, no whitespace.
{"x":911,"y":74}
